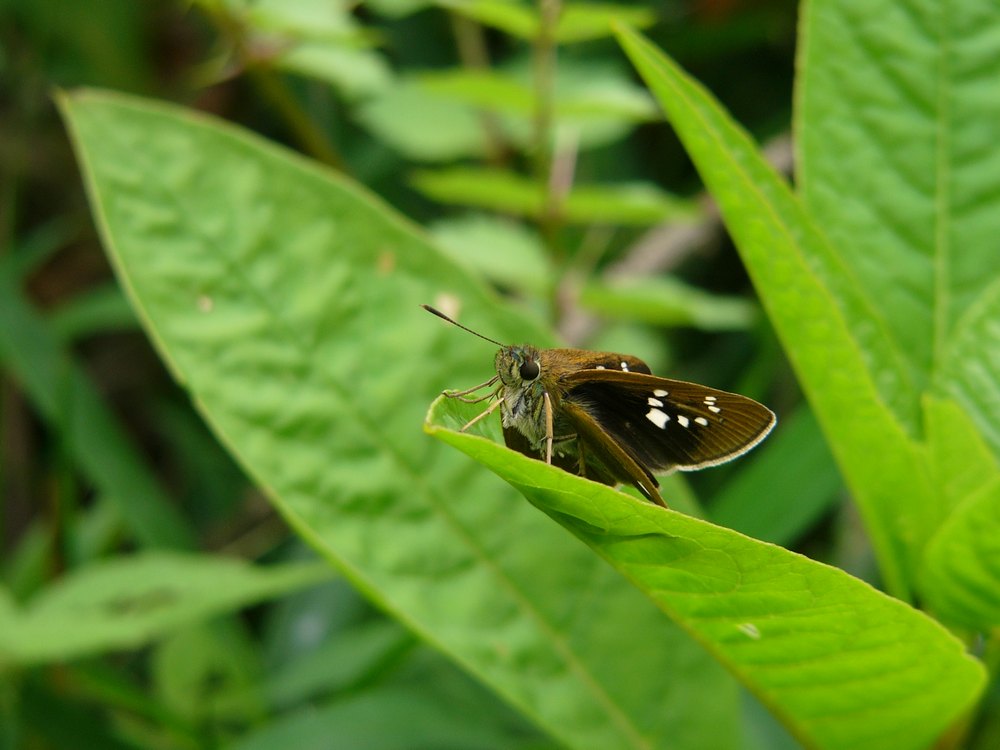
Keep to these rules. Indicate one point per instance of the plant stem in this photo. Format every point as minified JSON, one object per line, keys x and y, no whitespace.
{"x":310,"y":137}
{"x":471,"y":45}
{"x":545,"y":70}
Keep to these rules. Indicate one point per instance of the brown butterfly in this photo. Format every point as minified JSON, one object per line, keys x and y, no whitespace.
{"x":606,"y":417}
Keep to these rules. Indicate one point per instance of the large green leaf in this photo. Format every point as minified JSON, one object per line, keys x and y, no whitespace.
{"x":840,"y":664}
{"x":843,"y":355}
{"x":285,"y":299}
{"x":911,"y":460}
{"x":899,"y":108}
{"x":898,"y":117}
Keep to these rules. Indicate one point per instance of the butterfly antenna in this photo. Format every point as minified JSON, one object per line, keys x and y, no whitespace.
{"x":441,"y":315}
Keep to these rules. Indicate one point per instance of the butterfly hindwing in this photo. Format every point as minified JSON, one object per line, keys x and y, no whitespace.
{"x":605,"y":460}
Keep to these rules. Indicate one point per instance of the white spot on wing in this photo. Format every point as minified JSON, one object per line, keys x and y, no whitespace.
{"x":702,"y":421}
{"x":709,"y":399}
{"x":654,"y":401}
{"x":660,"y":393}
{"x":715,"y":409}
{"x":625,"y":366}
{"x":600,"y":367}
{"x":683,"y":420}
{"x":658,"y":418}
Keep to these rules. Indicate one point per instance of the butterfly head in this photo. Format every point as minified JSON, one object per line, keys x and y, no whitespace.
{"x":518,"y":366}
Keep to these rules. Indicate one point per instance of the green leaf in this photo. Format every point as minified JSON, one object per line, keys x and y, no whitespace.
{"x":896,"y":165}
{"x":482,"y":188}
{"x":491,"y":90}
{"x":667,"y":301}
{"x":438,"y":115}
{"x":505,"y":252}
{"x":627,"y":204}
{"x":578,"y":21}
{"x":397,"y":8}
{"x":632,"y":203}
{"x":846,"y":361}
{"x":297,"y":18}
{"x":898,"y":109}
{"x":285,"y":299}
{"x":392,"y":718}
{"x":206,"y":672}
{"x":320,"y":40}
{"x":101,"y":309}
{"x":379,"y":662}
{"x":583,"y":90}
{"x":961,"y":575}
{"x":779,"y":511}
{"x":839,"y":663}
{"x":127,"y":601}
{"x":61,"y":392}
{"x":356,"y":73}
{"x":971,"y":371}
{"x":342,"y":661}
{"x":424,"y":126}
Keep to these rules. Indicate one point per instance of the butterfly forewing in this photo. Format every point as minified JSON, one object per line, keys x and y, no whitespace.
{"x":669,"y":424}
{"x":584,"y":360}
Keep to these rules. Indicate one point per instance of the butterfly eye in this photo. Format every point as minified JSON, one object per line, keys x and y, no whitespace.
{"x":529,"y":370}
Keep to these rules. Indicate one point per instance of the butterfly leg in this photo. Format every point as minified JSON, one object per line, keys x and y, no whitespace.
{"x":461,"y":394}
{"x":562,"y":440}
{"x":548,"y":428}
{"x":493,"y":408}
{"x":467,"y":400}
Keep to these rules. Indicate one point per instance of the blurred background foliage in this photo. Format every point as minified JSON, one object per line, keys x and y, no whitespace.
{"x":544,"y":167}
